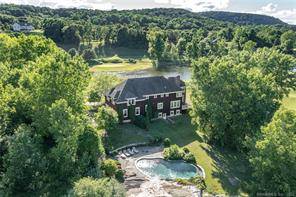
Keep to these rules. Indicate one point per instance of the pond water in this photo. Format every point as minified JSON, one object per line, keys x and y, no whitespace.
{"x":168,"y":169}
{"x":170,"y":71}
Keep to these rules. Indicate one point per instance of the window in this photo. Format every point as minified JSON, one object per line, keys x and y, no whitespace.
{"x":137,"y":111}
{"x":167,"y":95}
{"x":178,"y":112}
{"x":159,"y":115}
{"x":179,"y":94}
{"x":125,"y":113}
{"x":172,"y":113}
{"x":162,"y":95}
{"x":155,"y":96}
{"x":131,"y":102}
{"x":159,"y":105}
{"x":175,"y":104}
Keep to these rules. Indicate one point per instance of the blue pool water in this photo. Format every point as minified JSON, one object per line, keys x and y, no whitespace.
{"x":167,"y":169}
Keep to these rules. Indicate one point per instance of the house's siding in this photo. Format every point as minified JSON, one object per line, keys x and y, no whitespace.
{"x":154,"y":101}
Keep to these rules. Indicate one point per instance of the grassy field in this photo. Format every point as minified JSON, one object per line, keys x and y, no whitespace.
{"x":221,"y":166}
{"x":290,"y":102}
{"x":123,"y":67}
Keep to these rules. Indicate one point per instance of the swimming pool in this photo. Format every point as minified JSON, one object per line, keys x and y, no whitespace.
{"x":163,"y":169}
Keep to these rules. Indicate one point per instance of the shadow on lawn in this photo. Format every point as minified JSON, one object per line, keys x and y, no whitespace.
{"x":231,"y":168}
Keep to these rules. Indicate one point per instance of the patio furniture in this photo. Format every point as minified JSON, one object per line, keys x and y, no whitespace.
{"x":126,"y":153}
{"x":135,"y":150}
{"x":130,"y":151}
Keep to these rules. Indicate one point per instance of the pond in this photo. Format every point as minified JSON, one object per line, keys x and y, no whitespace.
{"x":157,"y":167}
{"x":170,"y":71}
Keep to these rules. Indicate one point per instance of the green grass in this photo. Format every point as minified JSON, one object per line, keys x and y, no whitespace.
{"x":290,"y":102}
{"x":141,"y":64}
{"x":218,"y":164}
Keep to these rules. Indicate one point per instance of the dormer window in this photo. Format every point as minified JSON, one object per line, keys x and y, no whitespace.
{"x":179,"y":94}
{"x":131,"y":102}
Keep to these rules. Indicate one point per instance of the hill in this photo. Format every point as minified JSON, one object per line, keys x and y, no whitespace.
{"x":242,"y":18}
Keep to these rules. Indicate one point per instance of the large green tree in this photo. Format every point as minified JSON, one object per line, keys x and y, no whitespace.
{"x":231,"y":100}
{"x":273,"y":157}
{"x":43,"y":112}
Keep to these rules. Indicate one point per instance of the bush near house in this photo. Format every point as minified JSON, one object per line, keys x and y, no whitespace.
{"x":174,"y":152}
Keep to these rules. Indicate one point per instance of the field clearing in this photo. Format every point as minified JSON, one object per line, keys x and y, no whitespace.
{"x":123,"y":67}
{"x":290,"y":102}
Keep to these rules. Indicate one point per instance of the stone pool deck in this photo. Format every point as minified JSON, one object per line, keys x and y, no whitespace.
{"x":139,"y":185}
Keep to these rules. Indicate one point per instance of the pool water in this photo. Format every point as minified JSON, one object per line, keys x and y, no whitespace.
{"x":167,"y":169}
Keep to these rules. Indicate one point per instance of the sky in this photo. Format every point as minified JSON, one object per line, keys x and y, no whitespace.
{"x":282,"y":9}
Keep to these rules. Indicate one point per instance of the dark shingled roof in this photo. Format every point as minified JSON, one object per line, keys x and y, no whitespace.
{"x":137,"y":87}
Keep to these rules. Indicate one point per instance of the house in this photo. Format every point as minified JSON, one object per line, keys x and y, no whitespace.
{"x":164,"y":96}
{"x":22,"y":27}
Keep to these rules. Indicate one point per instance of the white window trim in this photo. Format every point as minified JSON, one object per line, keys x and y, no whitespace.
{"x":159,"y":115}
{"x":178,"y":112}
{"x":178,"y":94}
{"x":137,"y":109}
{"x":159,"y":105}
{"x":175,"y":104}
{"x":125,"y":113}
{"x":172,"y":113}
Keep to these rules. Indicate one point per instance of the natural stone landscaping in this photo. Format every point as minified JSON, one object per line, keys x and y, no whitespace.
{"x":139,"y":185}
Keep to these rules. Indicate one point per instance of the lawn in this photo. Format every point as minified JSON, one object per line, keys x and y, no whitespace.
{"x":141,"y":64}
{"x":219,"y":165}
{"x":290,"y":102}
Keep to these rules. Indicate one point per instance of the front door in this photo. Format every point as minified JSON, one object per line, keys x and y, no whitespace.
{"x":164,"y":115}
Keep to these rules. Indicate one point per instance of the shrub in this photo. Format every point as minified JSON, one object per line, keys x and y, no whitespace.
{"x":119,"y":175}
{"x":73,"y":52}
{"x":93,"y":62}
{"x":97,"y":187}
{"x":106,"y":118}
{"x":140,"y":121}
{"x":199,"y":182}
{"x":88,"y":54}
{"x":173,"y":152}
{"x":132,"y":61}
{"x":189,"y":157}
{"x":110,"y":167}
{"x":166,"y":142}
{"x":186,"y":150}
{"x":115,"y":60}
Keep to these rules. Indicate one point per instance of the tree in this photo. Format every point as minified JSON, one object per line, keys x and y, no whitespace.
{"x":273,"y":157}
{"x":24,"y":163}
{"x":156,"y":39}
{"x":288,"y":42}
{"x":73,"y":52}
{"x":280,"y":66}
{"x":99,"y":85}
{"x":71,"y":35}
{"x":230,"y":100}
{"x":89,"y":54}
{"x":54,"y":29}
{"x":106,"y":118}
{"x":89,"y":187}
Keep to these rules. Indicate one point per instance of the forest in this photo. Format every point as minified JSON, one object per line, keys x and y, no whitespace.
{"x":50,"y":145}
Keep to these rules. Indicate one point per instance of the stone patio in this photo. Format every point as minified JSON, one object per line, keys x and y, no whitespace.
{"x":139,"y":185}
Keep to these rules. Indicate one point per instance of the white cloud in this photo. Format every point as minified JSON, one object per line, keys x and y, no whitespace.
{"x":286,"y":15}
{"x":90,"y":4}
{"x":197,"y":5}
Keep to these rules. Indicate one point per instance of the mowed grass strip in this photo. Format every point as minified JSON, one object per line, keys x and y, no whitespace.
{"x":123,"y":67}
